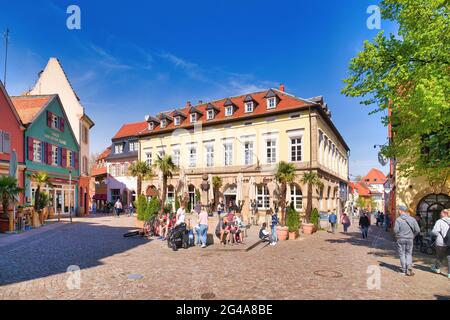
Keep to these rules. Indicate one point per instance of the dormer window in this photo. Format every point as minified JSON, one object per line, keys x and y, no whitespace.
{"x":229,"y":111}
{"x":210,"y":115}
{"x":177,"y":121}
{"x":163,"y":123}
{"x":151,"y":126}
{"x":193,"y":117}
{"x":271,"y":103}
{"x":249,"y":107}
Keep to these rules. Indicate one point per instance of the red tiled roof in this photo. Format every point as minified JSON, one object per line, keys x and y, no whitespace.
{"x":130,"y":130}
{"x":362,"y":188}
{"x":97,"y":171}
{"x":286,"y":102}
{"x":104,"y":154}
{"x":29,"y":106}
{"x":374,"y":176}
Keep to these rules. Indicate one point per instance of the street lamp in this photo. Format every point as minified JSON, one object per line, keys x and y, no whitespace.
{"x":70,"y":190}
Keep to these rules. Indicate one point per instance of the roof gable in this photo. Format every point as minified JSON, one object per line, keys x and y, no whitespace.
{"x":10,"y":105}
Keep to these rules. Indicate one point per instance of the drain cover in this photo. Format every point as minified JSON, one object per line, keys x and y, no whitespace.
{"x":208,"y":296}
{"x":135,"y":276}
{"x":328,"y":274}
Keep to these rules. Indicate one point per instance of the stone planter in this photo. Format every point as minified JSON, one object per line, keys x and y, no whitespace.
{"x":139,"y":224}
{"x":293,"y":235}
{"x":282,"y":233}
{"x":308,"y":228}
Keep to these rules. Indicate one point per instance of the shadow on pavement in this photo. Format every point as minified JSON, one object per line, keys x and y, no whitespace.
{"x":83,"y":244}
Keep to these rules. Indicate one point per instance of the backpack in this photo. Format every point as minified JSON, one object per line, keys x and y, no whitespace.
{"x":333,"y":218}
{"x":447,"y":236}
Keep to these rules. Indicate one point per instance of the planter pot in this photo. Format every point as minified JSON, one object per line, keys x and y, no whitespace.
{"x":139,"y":224}
{"x":308,"y":228}
{"x":292,"y":235}
{"x":4,"y":225}
{"x":282,"y":233}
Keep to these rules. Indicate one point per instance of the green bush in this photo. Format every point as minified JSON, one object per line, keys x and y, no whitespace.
{"x":141,"y":207}
{"x":315,"y":217}
{"x":152,"y":209}
{"x":292,"y":220}
{"x":44,"y":200}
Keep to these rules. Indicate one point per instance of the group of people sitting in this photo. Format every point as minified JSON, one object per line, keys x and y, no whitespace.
{"x":231,"y":228}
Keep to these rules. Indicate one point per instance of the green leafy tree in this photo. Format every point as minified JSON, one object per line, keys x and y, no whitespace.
{"x":141,"y":207}
{"x":311,"y":179}
{"x":9,"y":191}
{"x":284,"y":174}
{"x":152,"y":208}
{"x":141,"y":170}
{"x":292,"y":219}
{"x":409,"y":75}
{"x":315,"y":218}
{"x":167,"y":167}
{"x":41,"y":179}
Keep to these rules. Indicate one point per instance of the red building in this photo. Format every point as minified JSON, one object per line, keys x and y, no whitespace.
{"x":11,"y":138}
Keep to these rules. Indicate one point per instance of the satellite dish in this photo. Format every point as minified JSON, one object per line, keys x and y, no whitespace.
{"x":381,"y":159}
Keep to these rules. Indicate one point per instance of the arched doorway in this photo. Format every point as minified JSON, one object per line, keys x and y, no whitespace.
{"x":430,"y":208}
{"x":229,"y":195}
{"x":151,"y":191}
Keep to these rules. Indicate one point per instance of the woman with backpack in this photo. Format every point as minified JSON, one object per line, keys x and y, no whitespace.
{"x":441,"y":231}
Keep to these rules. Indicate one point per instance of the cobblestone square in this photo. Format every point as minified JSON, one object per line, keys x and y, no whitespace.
{"x":322,"y":266}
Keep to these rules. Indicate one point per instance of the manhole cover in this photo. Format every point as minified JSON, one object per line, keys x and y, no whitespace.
{"x":328,"y":274}
{"x":135,"y":276}
{"x":208,"y":296}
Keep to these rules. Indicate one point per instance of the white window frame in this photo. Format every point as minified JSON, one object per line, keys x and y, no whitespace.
{"x":209,"y":114}
{"x":148,"y":157}
{"x":271,"y":103}
{"x":55,"y":121}
{"x":118,"y":148}
{"x":227,"y":153}
{"x":193,"y":118}
{"x":176,"y":154}
{"x":163,"y":123}
{"x":37,"y":151}
{"x":69,"y":158}
{"x":209,"y":154}
{"x":262,"y":196}
{"x":248,"y":155}
{"x":151,"y":126}
{"x":177,"y":120}
{"x":249,"y":107}
{"x":296,"y":144}
{"x":228,"y":111}
{"x":192,"y":156}
{"x":54,"y":155}
{"x":296,"y":197}
{"x":274,"y":150}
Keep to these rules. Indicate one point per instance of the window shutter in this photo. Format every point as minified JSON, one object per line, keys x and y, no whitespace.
{"x":30,"y":149}
{"x":49,"y":119}
{"x":6,"y":142}
{"x":75,"y":160}
{"x":61,"y":124}
{"x":59,"y":156}
{"x":63,"y":157}
{"x":49,"y":153}
{"x":1,"y":141}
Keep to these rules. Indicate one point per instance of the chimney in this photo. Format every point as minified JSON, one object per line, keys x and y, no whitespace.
{"x":188,"y":104}
{"x":282,"y":87}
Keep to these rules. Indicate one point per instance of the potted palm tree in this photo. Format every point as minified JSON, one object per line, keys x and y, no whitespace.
{"x":40,"y":179}
{"x":141,"y":170}
{"x":284,"y":174}
{"x":292,"y":222}
{"x":311,"y":179}
{"x":9,"y":192}
{"x":167,"y":168}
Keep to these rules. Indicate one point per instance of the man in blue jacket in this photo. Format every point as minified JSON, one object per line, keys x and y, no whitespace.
{"x":333,"y":221}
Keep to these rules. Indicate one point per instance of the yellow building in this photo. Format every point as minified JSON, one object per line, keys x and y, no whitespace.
{"x":241,"y":139}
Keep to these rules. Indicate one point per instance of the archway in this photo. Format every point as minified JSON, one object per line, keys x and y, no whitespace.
{"x":431,"y":206}
{"x":151,"y":192}
{"x":229,"y":195}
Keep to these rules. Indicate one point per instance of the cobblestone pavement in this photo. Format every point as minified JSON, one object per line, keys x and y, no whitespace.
{"x":322,"y":266}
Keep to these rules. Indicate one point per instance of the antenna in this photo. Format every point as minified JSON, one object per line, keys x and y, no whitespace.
{"x":6,"y":36}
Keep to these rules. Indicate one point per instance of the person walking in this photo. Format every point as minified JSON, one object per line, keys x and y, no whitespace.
{"x":203,"y":227}
{"x":94,"y":207}
{"x":405,"y":230}
{"x":118,"y":207}
{"x":332,"y":219}
{"x":345,"y":220}
{"x":220,"y":209}
{"x":441,"y":231}
{"x":274,"y":226}
{"x":364,"y":224}
{"x":387,"y":222}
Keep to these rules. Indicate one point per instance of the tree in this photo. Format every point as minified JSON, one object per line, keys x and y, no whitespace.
{"x":141,"y":170}
{"x":167,"y":168}
{"x":41,"y":179}
{"x":217,"y":184}
{"x":8,"y":192}
{"x":409,"y":75}
{"x":284,"y":174}
{"x":311,"y":179}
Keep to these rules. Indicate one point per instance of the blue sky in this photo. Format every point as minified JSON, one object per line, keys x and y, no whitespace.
{"x":140,"y":57}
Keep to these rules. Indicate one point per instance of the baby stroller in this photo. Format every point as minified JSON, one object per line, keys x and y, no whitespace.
{"x":178,"y":237}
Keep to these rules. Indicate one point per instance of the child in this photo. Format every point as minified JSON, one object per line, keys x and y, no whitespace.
{"x":265,"y":236}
